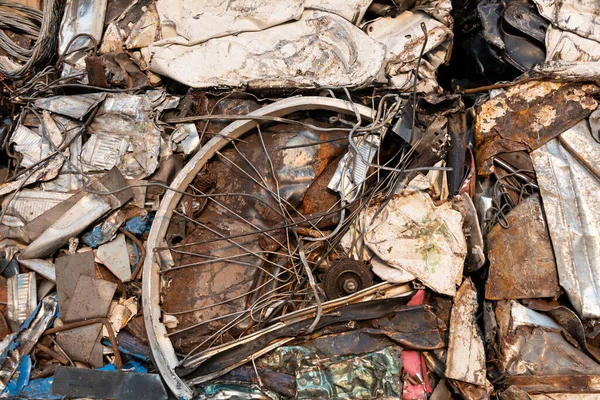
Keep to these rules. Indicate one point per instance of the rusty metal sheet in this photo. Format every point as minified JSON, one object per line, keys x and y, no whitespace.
{"x":517,"y":272}
{"x":571,"y":193}
{"x":204,"y":284}
{"x":525,"y":116}
{"x":466,"y":354}
{"x":556,"y":383}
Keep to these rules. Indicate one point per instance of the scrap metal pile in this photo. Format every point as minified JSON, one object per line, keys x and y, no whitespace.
{"x":254,"y":199}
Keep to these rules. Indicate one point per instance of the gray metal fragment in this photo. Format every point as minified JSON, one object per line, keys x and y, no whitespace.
{"x":118,"y":385}
{"x":68,"y":270}
{"x":77,"y":106}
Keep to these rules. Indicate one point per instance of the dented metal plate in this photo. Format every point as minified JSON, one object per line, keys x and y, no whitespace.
{"x":191,"y":22}
{"x":82,"y":19}
{"x":321,"y":49}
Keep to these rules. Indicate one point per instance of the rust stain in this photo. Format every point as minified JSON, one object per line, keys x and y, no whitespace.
{"x":526,"y":116}
{"x":522,"y":264}
{"x":319,"y":199}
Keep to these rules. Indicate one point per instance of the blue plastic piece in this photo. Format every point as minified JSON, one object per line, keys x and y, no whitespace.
{"x":20,"y":379}
{"x":131,"y":366}
{"x":39,"y":389}
{"x":95,"y":237}
{"x":137,"y":225}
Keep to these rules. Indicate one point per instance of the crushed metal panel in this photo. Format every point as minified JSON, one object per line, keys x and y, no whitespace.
{"x":572,"y":386}
{"x":103,"y":151}
{"x":84,"y":18}
{"x":517,"y":272}
{"x":28,"y":143}
{"x":335,"y":376}
{"x":118,"y":385}
{"x":579,"y":16}
{"x":352,"y":10}
{"x":531,"y":343}
{"x":525,"y":116}
{"x":77,"y":106}
{"x":196,"y":21}
{"x":68,"y":179}
{"x":571,"y":194}
{"x":414,"y":235}
{"x":564,"y":396}
{"x":321,"y":49}
{"x":439,"y":9}
{"x":48,"y":171}
{"x":568,"y":69}
{"x":124,"y":135}
{"x":466,"y":353}
{"x":403,"y":38}
{"x":80,"y":215}
{"x":567,"y":46}
{"x":143,"y":33}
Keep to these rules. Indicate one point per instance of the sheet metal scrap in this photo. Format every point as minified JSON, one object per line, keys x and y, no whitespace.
{"x":531,"y":343}
{"x":413,"y":235}
{"x":95,"y":384}
{"x":568,"y":179}
{"x":513,"y":261}
{"x":466,"y":355}
{"x":85,"y":211}
{"x":579,"y":16}
{"x":278,"y":57}
{"x":527,"y":115}
{"x":91,"y":299}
